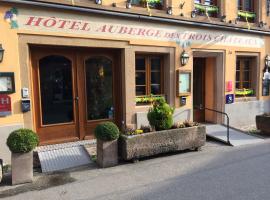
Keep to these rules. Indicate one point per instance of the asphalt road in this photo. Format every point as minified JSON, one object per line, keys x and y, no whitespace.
{"x":216,"y":173}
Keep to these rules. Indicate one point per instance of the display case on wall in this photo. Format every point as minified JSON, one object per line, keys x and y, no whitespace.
{"x":7,"y":83}
{"x":183,"y":83}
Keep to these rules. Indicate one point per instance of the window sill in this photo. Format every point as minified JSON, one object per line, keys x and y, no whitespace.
{"x":245,"y":99}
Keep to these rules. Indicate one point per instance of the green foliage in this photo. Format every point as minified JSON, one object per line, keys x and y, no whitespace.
{"x":148,"y":99}
{"x":107,"y":131}
{"x":22,"y":141}
{"x":205,"y":8}
{"x":160,"y":116}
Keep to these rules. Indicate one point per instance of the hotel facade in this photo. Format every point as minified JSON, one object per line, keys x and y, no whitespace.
{"x":68,"y":65}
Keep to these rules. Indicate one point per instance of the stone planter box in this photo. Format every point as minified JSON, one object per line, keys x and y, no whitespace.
{"x":107,"y":153}
{"x":149,"y":144}
{"x":22,"y":167}
{"x":263,"y":123}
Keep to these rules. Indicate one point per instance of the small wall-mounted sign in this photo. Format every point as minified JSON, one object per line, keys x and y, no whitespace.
{"x":5,"y":105}
{"x":229,"y":98}
{"x":229,"y":86}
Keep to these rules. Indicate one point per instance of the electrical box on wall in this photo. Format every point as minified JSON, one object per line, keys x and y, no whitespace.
{"x":26,"y":105}
{"x":25,"y":93}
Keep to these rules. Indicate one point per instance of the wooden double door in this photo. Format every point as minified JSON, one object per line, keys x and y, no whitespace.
{"x":74,"y":90}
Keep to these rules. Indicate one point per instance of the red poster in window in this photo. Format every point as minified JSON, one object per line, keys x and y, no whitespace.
{"x":5,"y":105}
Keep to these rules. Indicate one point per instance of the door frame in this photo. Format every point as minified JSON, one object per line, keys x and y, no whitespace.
{"x":86,"y":125}
{"x":71,"y":128}
{"x":219,"y":79}
{"x":79,"y":87}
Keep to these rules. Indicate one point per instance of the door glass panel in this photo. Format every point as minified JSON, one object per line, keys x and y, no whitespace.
{"x":56,"y":90}
{"x":99,"y":86}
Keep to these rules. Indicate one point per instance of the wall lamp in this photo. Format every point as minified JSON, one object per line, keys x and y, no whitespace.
{"x":2,"y":51}
{"x":128,"y":4}
{"x":223,"y":18}
{"x":99,"y":2}
{"x":262,"y":24}
{"x":193,"y":14}
{"x":267,"y":61}
{"x":169,"y":10}
{"x":266,"y":75}
{"x":237,"y":20}
{"x":184,"y":58}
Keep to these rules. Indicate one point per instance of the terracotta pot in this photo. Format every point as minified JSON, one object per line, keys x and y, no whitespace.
{"x":22,"y":167}
{"x":107,"y":153}
{"x":263,"y":123}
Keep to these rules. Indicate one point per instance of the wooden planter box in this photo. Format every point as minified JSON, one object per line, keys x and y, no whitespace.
{"x":22,"y":167}
{"x":148,"y":144}
{"x":107,"y":153}
{"x":263,"y":123}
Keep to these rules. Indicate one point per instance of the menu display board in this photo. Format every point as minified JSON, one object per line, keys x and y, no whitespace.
{"x":183,"y":83}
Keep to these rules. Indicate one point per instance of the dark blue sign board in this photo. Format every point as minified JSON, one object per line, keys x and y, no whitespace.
{"x":229,"y":98}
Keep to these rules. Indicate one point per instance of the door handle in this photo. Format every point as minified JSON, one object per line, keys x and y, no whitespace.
{"x":76,"y":99}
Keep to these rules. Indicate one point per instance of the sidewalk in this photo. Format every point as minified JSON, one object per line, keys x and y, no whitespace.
{"x":218,"y":172}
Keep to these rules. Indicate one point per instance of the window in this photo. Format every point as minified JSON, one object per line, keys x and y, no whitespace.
{"x":207,"y":7}
{"x":149,"y":75}
{"x":206,"y":2}
{"x":245,"y":76}
{"x":156,"y":4}
{"x":246,"y":5}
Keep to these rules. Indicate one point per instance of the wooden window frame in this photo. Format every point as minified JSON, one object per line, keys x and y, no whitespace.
{"x":148,"y":71}
{"x":203,"y":2}
{"x":241,"y":6}
{"x":242,"y":70}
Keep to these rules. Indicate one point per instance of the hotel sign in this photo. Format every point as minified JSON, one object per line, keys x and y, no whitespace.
{"x":123,"y":29}
{"x":5,"y":105}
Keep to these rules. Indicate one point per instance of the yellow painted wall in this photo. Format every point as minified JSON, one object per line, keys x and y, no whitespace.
{"x":9,"y":40}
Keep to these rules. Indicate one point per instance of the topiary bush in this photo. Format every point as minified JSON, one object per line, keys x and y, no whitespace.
{"x":22,"y":141}
{"x":160,"y":116}
{"x":107,"y":131}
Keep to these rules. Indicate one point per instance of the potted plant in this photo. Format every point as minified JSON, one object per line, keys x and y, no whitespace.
{"x":21,"y":143}
{"x":160,"y":116}
{"x":263,"y":123}
{"x":162,"y":137}
{"x":107,"y":135}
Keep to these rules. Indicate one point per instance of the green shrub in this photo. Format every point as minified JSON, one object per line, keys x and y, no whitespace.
{"x":160,"y":116}
{"x":107,"y":131}
{"x":22,"y":141}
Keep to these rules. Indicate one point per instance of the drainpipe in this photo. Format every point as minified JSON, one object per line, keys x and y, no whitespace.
{"x":138,"y":16}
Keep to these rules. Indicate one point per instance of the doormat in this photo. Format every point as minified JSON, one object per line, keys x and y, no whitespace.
{"x":63,"y":156}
